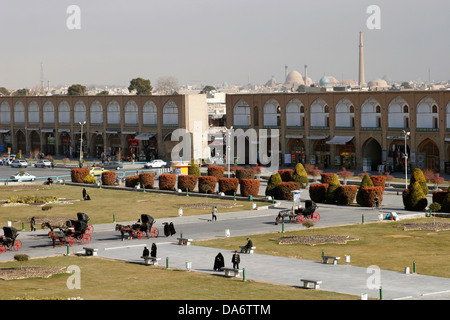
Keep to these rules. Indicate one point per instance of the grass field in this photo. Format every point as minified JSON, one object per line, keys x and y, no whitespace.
{"x":384,"y":244}
{"x":125,"y":205}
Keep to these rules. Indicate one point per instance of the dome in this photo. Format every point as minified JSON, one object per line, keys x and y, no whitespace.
{"x":378,"y":83}
{"x":324,"y":81}
{"x":271,"y":83}
{"x":294,"y":78}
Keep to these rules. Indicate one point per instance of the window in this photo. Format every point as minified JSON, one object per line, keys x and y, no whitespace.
{"x":113,"y":113}
{"x":79,"y":112}
{"x":48,"y":112}
{"x":33,"y":112}
{"x":149,"y":113}
{"x":64,"y":112}
{"x":131,"y":113}
{"x":96,"y":113}
{"x":170,"y":113}
{"x":5,"y":112}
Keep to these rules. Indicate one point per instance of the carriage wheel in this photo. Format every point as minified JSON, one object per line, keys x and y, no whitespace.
{"x":300,"y":219}
{"x":87,"y":238}
{"x":316,"y":217}
{"x":90,"y":229}
{"x":2,"y":248}
{"x":154,"y":232}
{"x":17,"y":245}
{"x":140,"y":234}
{"x":70,"y":241}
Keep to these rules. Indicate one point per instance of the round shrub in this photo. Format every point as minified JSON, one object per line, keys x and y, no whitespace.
{"x":369,"y":194}
{"x":300,"y":176}
{"x":78,"y":174}
{"x":438,"y":196}
{"x":147,"y":179}
{"x":108,"y":178}
{"x":445,"y":206}
{"x":272,"y":184}
{"x":89,"y":179}
{"x":365,"y":182}
{"x":131,"y":181}
{"x":284,"y":190}
{"x":216,"y":171}
{"x":187,"y":182}
{"x":193,"y":169}
{"x":346,"y":194}
{"x":378,"y":181}
{"x":333,"y":184}
{"x":326,"y":177}
{"x":249,"y":187}
{"x":167,"y":181}
{"x":286,"y":174}
{"x":229,"y":186}
{"x":318,"y":191}
{"x":207,"y":184}
{"x":418,"y":176}
{"x":245,"y":174}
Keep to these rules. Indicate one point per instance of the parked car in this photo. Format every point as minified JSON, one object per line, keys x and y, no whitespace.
{"x":22,"y":176}
{"x":112,"y":165}
{"x":155,"y":164}
{"x":44,"y":163}
{"x":97,"y":171}
{"x":19,"y":164}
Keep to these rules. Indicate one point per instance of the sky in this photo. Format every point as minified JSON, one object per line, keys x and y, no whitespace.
{"x":217,"y":41}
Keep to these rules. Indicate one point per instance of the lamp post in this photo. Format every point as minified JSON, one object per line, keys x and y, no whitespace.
{"x":228,"y":148}
{"x":81,"y":142}
{"x":406,"y":134}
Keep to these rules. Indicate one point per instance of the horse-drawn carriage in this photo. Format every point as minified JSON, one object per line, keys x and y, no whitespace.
{"x":299,"y":214}
{"x":84,"y":217}
{"x":74,"y":231}
{"x":143,"y":228}
{"x":8,"y":240}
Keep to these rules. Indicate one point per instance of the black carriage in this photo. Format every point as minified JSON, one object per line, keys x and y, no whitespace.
{"x":8,"y":241}
{"x":73,"y":231}
{"x":300,"y":215}
{"x":81,"y":216}
{"x":145,"y":227}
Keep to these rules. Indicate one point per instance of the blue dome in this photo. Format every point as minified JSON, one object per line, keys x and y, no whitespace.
{"x":324,"y":81}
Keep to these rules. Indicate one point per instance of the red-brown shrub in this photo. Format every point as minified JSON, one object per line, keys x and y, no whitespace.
{"x":229,"y":186}
{"x":216,"y":171}
{"x":378,"y":181}
{"x":438,"y":196}
{"x":245,"y":174}
{"x":318,"y":192}
{"x":108,"y":178}
{"x":249,"y":187}
{"x":369,"y":194}
{"x":167,"y":181}
{"x":147,"y":179}
{"x":284,"y":190}
{"x":207,"y":184}
{"x":286,"y":174}
{"x":131,"y":181}
{"x":78,"y":174}
{"x":326,"y":177}
{"x":187,"y":182}
{"x":346,"y":194}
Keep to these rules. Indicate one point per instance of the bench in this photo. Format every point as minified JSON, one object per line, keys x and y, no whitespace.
{"x":184,"y":241}
{"x":326,"y":258}
{"x":90,"y":251}
{"x":316,"y":284}
{"x":151,"y":260}
{"x":229,"y":271}
{"x":252,"y":249}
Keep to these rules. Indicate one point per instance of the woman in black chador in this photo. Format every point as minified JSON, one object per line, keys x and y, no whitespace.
{"x":166,"y":229}
{"x":219,"y":262}
{"x":153,"y":253}
{"x":172,"y":229}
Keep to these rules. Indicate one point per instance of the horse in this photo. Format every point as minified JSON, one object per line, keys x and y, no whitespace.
{"x":125,"y":229}
{"x":58,"y":235}
{"x":283,"y":214}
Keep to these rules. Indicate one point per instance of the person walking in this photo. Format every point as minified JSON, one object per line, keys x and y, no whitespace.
{"x":214,"y":214}
{"x":153,"y":252}
{"x":33,"y":224}
{"x":236,"y":259}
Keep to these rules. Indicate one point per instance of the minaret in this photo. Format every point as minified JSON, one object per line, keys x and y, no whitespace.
{"x":306,"y":75}
{"x":361,"y":79}
{"x":285,"y":72}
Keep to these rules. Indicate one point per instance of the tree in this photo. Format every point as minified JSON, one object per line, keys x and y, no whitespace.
{"x":21,"y":258}
{"x":300,"y":176}
{"x":167,"y":85}
{"x":4,"y":91}
{"x":76,"y":90}
{"x":406,"y":85}
{"x":141,"y":86}
{"x":103,"y":93}
{"x":366,"y":182}
{"x":208,"y":89}
{"x":272,"y":184}
{"x":21,"y":92}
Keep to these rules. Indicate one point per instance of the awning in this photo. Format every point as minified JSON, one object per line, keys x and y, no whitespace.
{"x":340,"y":139}
{"x":317,"y":137}
{"x":145,"y":136}
{"x":47,"y":130}
{"x":447,"y":139}
{"x":4,"y":131}
{"x":294,"y":136}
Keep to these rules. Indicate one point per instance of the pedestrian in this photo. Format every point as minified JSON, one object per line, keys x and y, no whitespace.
{"x":219,"y":262}
{"x":236,"y":259}
{"x":172,"y":229}
{"x":84,"y":194}
{"x":248,"y":246}
{"x":53,"y":165}
{"x":166,"y":229}
{"x":33,"y":224}
{"x":214,"y":214}
{"x":145,"y":253}
{"x":153,"y":253}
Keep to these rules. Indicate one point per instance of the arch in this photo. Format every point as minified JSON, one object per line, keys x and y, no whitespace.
{"x":271,"y":113}
{"x":21,"y":142}
{"x":96,"y":113}
{"x":131,"y":113}
{"x":79,"y":112}
{"x":64,"y":144}
{"x":113,"y":112}
{"x":371,"y":113}
{"x":170,"y":113}
{"x":241,"y":113}
{"x":97,"y":145}
{"x":319,"y":113}
{"x":33,"y":112}
{"x":398,"y":113}
{"x":63,"y":112}
{"x":149,"y":113}
{"x":427,"y":115}
{"x":295,"y":113}
{"x":429,"y":152}
{"x":344,"y":113}
{"x":5,"y":112}
{"x":447,"y":113}
{"x":371,"y":154}
{"x":35,"y":142}
{"x":48,"y":112}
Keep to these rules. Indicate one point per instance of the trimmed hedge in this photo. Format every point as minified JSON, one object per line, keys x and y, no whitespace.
{"x":272,"y":184}
{"x":187,"y":182}
{"x":78,"y":174}
{"x":326,"y":177}
{"x":147,"y":180}
{"x":249,"y":187}
{"x":333,"y":184}
{"x":245,"y":174}
{"x":378,"y":181}
{"x":286,"y":174}
{"x":229,"y":186}
{"x":365,"y":182}
{"x":284,"y":190}
{"x":89,"y":179}
{"x":300,"y":176}
{"x":318,"y":192}
{"x":109,"y":178}
{"x":369,"y":194}
{"x":445,"y":206}
{"x":216,"y":171}
{"x":438,"y":197}
{"x":346,"y":194}
{"x":207,"y":184}
{"x":131,"y":181}
{"x":167,"y":181}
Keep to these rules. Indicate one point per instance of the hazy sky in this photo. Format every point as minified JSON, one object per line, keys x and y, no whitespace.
{"x":216,"y":41}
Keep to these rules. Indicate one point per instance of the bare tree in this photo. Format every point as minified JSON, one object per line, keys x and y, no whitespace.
{"x":167,"y":85}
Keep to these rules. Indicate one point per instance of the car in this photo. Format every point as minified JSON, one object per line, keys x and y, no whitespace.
{"x":97,"y":171}
{"x":22,"y":176}
{"x":44,"y":163}
{"x":112,"y":165}
{"x":19,"y":164}
{"x":155,"y":164}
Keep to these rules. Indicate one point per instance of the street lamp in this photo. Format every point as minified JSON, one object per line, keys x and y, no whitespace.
{"x":406,"y":134}
{"x":81,"y":143}
{"x":228,"y":148}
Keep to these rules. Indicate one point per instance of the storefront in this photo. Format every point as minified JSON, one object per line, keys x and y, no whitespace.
{"x":396,"y":155}
{"x":321,"y":152}
{"x":296,"y":150}
{"x":345,"y":155}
